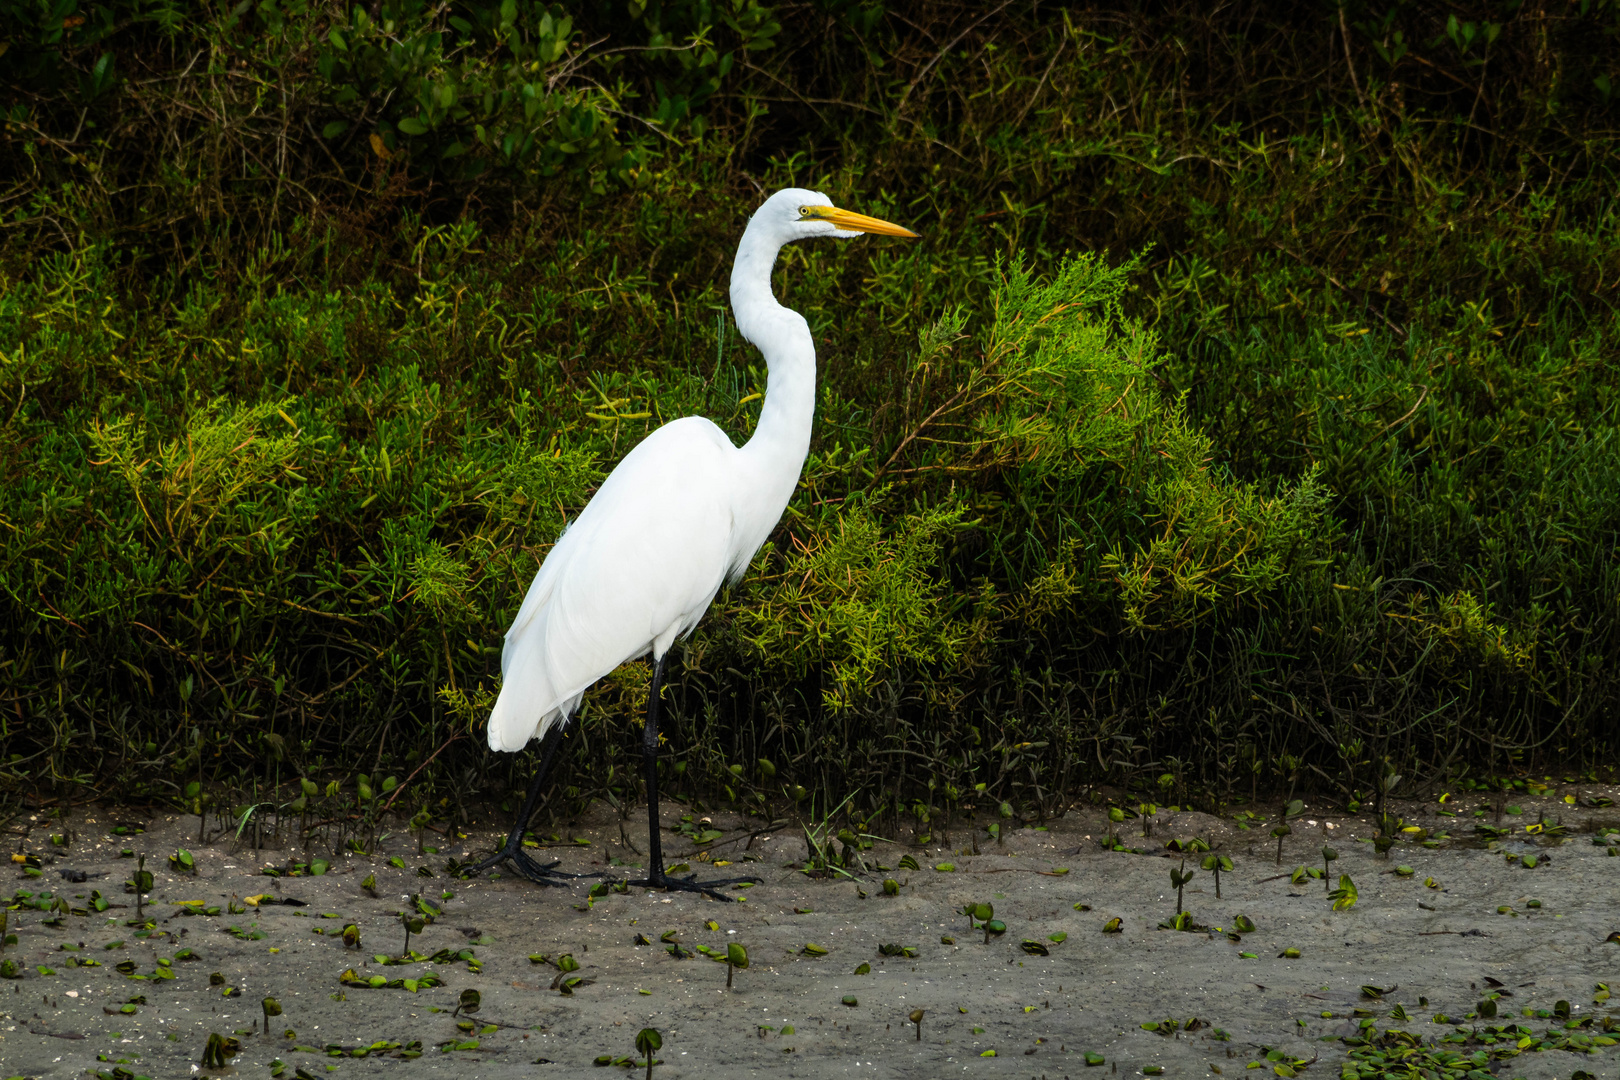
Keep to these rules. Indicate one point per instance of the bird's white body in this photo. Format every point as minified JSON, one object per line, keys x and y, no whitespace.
{"x":681,"y":515}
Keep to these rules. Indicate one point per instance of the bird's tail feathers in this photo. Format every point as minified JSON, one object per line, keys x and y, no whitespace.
{"x":529,"y":703}
{"x":511,"y":725}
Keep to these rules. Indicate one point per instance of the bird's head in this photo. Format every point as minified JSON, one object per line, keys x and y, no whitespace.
{"x":797,"y":213}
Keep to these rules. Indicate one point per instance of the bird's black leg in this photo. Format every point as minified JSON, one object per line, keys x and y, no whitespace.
{"x":656,"y":878}
{"x":512,"y":851}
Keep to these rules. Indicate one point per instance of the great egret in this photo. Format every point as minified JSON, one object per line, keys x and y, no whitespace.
{"x":684,"y":512}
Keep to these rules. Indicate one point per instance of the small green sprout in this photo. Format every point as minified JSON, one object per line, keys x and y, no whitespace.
{"x":649,"y":1041}
{"x":736,"y":957}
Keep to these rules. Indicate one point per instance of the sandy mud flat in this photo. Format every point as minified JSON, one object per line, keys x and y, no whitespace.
{"x":95,"y":990}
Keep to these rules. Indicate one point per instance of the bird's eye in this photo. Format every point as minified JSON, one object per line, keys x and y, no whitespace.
{"x":804,"y":211}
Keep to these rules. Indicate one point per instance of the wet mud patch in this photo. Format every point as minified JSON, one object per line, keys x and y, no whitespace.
{"x":1049,"y":954}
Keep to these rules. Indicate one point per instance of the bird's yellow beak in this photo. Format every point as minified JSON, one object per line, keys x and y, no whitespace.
{"x":850,"y":221}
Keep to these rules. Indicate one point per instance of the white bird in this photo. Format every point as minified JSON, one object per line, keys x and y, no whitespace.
{"x":682,"y":514}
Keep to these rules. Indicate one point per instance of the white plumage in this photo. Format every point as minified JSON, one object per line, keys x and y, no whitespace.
{"x":635,"y":572}
{"x":682,"y":513}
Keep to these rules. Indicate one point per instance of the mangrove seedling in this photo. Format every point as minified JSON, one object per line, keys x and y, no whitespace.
{"x":1217,"y":865}
{"x":193,"y":795}
{"x":351,"y":936}
{"x":1283,"y":829}
{"x":420,"y":821}
{"x":978,"y":913}
{"x":891,"y":887}
{"x":916,"y":1018}
{"x":1116,"y":818}
{"x":1146,"y":812}
{"x":1178,"y":881}
{"x":736,"y":957}
{"x":649,"y":1042}
{"x":1386,"y":784}
{"x":183,"y":862}
{"x":271,"y":1007}
{"x":1345,"y":896}
{"x":219,"y":1050}
{"x":308,"y":789}
{"x":413,"y":925}
{"x":1279,"y":832}
{"x":468,"y":1003}
{"x":1328,"y":855}
{"x":993,"y":926}
{"x":142,"y":883}
{"x":1389,"y":827}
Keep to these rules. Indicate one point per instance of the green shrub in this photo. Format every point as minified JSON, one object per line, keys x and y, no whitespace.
{"x":1320,"y":486}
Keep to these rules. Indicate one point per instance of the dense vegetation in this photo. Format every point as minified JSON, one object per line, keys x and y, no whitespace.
{"x":1245,"y":419}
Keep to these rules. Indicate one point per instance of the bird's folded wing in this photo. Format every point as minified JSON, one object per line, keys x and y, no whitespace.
{"x":635,"y":571}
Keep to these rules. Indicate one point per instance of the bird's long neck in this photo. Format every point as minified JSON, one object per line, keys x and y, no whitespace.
{"x":782,"y":438}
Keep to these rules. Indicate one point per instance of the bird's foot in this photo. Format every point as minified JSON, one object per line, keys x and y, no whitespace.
{"x":521,"y":864}
{"x":662,"y":880}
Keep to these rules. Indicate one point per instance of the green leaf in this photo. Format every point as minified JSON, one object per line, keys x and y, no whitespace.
{"x":412,"y":126}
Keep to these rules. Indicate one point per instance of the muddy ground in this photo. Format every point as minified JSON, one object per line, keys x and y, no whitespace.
{"x":1432,"y":949}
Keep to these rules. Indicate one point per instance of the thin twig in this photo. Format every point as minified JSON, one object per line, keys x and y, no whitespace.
{"x":289,"y":603}
{"x":917,"y":431}
{"x":1401,"y":420}
{"x":941,"y":54}
{"x":1344,"y":36}
{"x":389,"y":804}
{"x":1040,"y":85}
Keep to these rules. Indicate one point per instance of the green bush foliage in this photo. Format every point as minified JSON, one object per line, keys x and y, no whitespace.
{"x":1245,"y":419}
